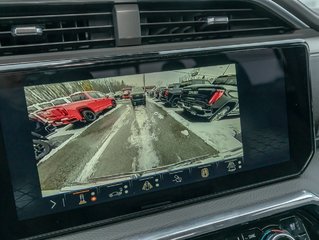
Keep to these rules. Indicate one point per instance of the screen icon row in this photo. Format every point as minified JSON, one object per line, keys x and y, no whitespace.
{"x":145,"y":184}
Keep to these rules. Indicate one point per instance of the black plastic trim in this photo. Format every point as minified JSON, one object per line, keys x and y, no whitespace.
{"x":126,"y":19}
{"x":149,"y":49}
{"x":301,"y":11}
{"x":267,"y":4}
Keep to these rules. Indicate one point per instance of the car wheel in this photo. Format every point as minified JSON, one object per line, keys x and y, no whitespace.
{"x":174,"y":102}
{"x":222,"y":112}
{"x":113,"y":103}
{"x":89,"y":115}
{"x":41,"y":149}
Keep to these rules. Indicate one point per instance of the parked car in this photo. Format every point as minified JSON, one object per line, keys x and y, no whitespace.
{"x":118,"y":95}
{"x":138,"y":97}
{"x":85,"y":107}
{"x":39,"y":106}
{"x":41,"y":146}
{"x":172,"y":94}
{"x":40,"y":125}
{"x":126,"y":93}
{"x":212,"y":102}
{"x":229,"y":82}
{"x":61,"y":100}
{"x":158,"y":92}
{"x":45,"y":105}
{"x":33,"y":108}
{"x":151,"y":93}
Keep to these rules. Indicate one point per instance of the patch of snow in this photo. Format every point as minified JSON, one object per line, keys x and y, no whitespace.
{"x":89,"y":168}
{"x":159,"y":115}
{"x":185,"y":132}
{"x":218,"y":134}
{"x":143,"y":138}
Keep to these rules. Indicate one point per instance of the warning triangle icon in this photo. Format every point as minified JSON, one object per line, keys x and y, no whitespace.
{"x":147,"y":186}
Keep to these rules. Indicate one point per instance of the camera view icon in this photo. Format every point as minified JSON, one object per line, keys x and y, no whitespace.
{"x":116,"y":193}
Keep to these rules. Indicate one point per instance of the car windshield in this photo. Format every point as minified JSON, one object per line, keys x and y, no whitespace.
{"x":58,"y":101}
{"x":175,"y":85}
{"x":194,"y":81}
{"x":78,"y":97}
{"x":226,"y":80}
{"x":312,"y":4}
{"x":96,"y":94}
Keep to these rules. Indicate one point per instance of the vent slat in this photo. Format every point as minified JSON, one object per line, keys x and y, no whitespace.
{"x":172,"y":23}
{"x":215,"y":32}
{"x":5,"y":33}
{"x":61,"y":29}
{"x":77,"y":29}
{"x":249,"y":19}
{"x":193,"y":21}
{"x":63,"y":16}
{"x":195,"y":11}
{"x":200,"y":22}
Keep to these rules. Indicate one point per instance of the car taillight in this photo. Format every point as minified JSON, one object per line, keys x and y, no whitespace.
{"x":62,"y":111}
{"x":216,"y":96}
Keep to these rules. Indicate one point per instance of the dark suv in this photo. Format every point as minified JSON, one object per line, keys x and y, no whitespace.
{"x":172,"y":94}
{"x":209,"y":101}
{"x":138,"y":97}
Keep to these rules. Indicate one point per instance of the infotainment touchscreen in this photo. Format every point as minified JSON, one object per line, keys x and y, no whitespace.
{"x":96,"y":140}
{"x":105,"y":131}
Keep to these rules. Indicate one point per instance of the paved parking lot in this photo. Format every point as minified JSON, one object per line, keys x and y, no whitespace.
{"x":128,"y":139}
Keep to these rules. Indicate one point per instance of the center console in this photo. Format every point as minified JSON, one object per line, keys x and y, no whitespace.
{"x":108,"y":139}
{"x":296,"y":224}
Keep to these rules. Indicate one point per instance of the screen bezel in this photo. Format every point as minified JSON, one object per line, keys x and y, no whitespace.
{"x":302,"y":148}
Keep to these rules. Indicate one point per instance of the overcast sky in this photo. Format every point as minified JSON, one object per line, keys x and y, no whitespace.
{"x":165,"y":78}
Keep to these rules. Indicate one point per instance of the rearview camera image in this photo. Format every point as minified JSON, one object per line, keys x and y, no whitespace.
{"x":107,"y":130}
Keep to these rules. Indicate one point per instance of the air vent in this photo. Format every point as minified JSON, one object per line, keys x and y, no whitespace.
{"x":55,"y":28}
{"x":189,"y":21}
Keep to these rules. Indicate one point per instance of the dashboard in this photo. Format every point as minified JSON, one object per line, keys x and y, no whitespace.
{"x":159,"y":120}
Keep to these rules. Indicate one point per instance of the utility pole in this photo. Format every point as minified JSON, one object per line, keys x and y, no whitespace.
{"x":107,"y":84}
